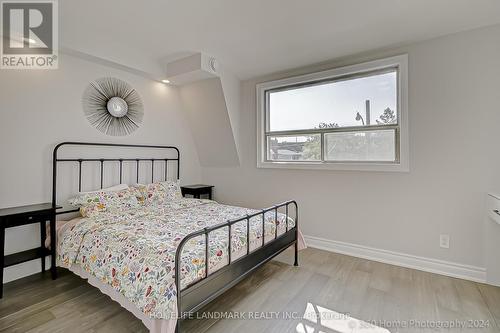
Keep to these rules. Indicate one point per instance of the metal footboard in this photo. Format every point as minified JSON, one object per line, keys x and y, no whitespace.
{"x":198,"y":294}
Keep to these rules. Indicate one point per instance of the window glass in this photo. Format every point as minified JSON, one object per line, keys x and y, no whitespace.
{"x":361,"y":146}
{"x":358,"y":101}
{"x":294,"y":148}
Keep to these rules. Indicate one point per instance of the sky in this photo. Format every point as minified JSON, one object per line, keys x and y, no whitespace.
{"x":336,"y":102}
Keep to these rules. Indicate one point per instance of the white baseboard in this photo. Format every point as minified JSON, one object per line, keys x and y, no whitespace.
{"x":466,"y":272}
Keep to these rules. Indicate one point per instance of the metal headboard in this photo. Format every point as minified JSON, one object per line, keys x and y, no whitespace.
{"x":56,"y":160}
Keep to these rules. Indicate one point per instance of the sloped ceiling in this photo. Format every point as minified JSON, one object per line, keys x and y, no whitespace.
{"x":257,"y":37}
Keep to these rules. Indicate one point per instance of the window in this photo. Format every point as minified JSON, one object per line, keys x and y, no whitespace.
{"x":350,"y":118}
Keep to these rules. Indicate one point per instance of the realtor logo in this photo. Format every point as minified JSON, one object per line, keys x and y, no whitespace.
{"x":29,"y":35}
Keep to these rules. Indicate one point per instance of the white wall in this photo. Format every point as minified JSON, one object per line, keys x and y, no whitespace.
{"x":454,"y":159}
{"x":39,"y":109}
{"x":232,"y":94}
{"x":454,"y":117}
{"x":209,"y":118}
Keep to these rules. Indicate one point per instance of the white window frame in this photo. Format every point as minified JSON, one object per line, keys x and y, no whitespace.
{"x":401,"y":165}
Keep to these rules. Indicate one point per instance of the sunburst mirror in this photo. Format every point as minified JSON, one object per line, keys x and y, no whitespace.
{"x":113,"y":106}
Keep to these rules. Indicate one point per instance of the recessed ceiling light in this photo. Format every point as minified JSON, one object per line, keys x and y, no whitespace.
{"x":165,"y":81}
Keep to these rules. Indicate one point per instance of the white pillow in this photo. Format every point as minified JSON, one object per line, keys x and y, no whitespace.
{"x":115,"y":188}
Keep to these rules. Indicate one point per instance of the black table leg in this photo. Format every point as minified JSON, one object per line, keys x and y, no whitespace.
{"x":2,"y":244}
{"x":53,"y":268}
{"x":43,"y":236}
{"x":210,"y":195}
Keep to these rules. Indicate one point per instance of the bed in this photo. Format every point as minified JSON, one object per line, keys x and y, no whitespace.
{"x":165,"y":259}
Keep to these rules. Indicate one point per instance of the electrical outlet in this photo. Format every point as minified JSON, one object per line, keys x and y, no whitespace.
{"x":444,"y":241}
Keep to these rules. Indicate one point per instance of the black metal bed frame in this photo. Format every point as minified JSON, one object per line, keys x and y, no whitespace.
{"x":198,"y":294}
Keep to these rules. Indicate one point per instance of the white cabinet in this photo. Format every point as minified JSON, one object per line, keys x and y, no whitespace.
{"x":492,"y":239}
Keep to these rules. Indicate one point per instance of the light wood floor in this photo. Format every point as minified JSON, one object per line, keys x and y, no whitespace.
{"x":327,"y":284}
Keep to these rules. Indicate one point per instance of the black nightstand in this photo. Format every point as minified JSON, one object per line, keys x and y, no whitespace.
{"x":17,"y":216}
{"x":197,"y":190}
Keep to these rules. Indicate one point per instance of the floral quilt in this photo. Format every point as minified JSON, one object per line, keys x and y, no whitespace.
{"x":133,"y":250}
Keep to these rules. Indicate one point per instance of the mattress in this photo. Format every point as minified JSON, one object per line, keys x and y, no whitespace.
{"x":132,"y":253}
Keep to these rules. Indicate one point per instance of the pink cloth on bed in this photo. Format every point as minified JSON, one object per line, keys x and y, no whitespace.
{"x":302,"y":241}
{"x":59,"y":227}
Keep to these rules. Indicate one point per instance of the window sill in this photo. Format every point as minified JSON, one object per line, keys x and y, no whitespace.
{"x":346,"y":166}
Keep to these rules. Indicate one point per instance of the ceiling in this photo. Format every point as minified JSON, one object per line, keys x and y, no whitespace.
{"x":255,"y":37}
